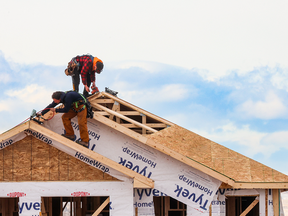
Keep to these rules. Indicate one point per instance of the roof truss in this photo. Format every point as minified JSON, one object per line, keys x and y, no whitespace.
{"x":126,"y":114}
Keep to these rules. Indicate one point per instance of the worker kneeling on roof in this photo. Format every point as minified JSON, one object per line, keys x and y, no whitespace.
{"x":74,"y":104}
{"x":86,"y":66}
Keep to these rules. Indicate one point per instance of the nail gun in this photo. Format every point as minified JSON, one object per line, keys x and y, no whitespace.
{"x":34,"y":115}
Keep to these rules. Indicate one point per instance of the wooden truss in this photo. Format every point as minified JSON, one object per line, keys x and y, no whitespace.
{"x":126,"y":114}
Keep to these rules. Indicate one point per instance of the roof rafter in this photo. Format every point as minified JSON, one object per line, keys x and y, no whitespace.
{"x":127,"y":114}
{"x":16,"y":130}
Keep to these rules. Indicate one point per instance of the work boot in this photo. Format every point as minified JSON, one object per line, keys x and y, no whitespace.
{"x":71,"y":137}
{"x":85,"y":144}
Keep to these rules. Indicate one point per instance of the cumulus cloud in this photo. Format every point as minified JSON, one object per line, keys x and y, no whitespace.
{"x":163,"y":93}
{"x":30,"y":94}
{"x":252,"y":141}
{"x":270,"y":108}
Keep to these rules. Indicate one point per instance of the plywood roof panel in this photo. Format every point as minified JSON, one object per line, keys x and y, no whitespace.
{"x":217,"y":157}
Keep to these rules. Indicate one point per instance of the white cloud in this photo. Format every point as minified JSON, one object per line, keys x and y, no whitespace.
{"x":26,"y":99}
{"x":243,"y":136}
{"x":5,"y":78}
{"x":272,"y":107}
{"x":30,"y":94}
{"x":152,"y":67}
{"x":165,"y":93}
{"x":214,"y":35}
{"x":277,"y":139}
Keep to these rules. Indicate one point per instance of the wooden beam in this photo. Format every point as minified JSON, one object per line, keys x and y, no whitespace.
{"x":138,"y":184}
{"x":16,"y":130}
{"x":144,"y":121}
{"x":100,"y":107}
{"x":115,"y":108}
{"x":126,"y":113}
{"x":95,"y":96}
{"x":91,"y":154}
{"x":260,"y":185}
{"x":251,"y":206}
{"x":103,"y":205}
{"x":152,"y":125}
{"x":276,"y":202}
{"x":266,"y":202}
{"x":163,"y":149}
{"x":137,"y":109}
{"x":43,"y":208}
{"x":104,"y":100}
{"x":119,"y":128}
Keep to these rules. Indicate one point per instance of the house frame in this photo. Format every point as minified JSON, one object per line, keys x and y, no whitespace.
{"x":30,"y":162}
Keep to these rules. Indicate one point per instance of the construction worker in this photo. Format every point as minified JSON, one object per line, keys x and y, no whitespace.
{"x":86,"y":66}
{"x":74,"y":104}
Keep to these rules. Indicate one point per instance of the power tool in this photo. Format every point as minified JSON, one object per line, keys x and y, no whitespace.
{"x":35,"y":117}
{"x":94,"y":89}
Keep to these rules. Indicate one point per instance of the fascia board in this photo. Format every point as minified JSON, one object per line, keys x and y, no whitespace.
{"x":260,"y":185}
{"x":14,"y":131}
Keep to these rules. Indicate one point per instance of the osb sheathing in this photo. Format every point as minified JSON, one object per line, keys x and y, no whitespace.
{"x":33,"y":160}
{"x":215,"y":156}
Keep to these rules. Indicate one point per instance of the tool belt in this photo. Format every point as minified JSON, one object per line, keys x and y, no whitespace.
{"x":72,"y":66}
{"x":78,"y":103}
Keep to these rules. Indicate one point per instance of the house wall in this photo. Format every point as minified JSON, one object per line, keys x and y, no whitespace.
{"x":31,"y":159}
{"x":31,"y":169}
{"x":30,"y":193}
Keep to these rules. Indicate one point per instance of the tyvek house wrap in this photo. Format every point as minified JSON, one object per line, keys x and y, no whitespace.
{"x":172,"y":177}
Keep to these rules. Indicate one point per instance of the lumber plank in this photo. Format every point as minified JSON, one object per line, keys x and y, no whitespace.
{"x":152,"y":125}
{"x":16,"y":130}
{"x":126,"y":113}
{"x":251,"y":206}
{"x":144,"y":121}
{"x":138,"y":184}
{"x":95,"y":96}
{"x":276,"y":202}
{"x":266,"y":202}
{"x":119,"y":128}
{"x":91,"y":154}
{"x":262,"y":185}
{"x":103,"y":205}
{"x":115,"y":108}
{"x":104,"y":100}
{"x":137,"y":108}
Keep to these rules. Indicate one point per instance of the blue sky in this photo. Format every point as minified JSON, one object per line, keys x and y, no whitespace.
{"x":216,"y":68}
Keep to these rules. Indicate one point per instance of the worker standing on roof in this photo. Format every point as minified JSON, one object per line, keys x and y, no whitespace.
{"x":74,"y":104}
{"x":86,"y":66}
